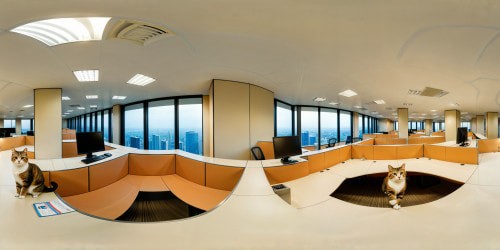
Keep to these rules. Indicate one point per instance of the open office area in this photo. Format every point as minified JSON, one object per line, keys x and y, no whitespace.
{"x":249,"y":124}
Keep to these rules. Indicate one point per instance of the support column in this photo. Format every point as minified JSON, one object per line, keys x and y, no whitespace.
{"x":480,"y":124}
{"x":116,"y":127}
{"x":48,"y":123}
{"x":451,"y":124}
{"x":492,"y":125}
{"x":428,"y":127}
{"x":403,"y":122}
{"x":18,"y":126}
{"x":1,"y":122}
{"x":355,"y":125}
{"x":473,"y":125}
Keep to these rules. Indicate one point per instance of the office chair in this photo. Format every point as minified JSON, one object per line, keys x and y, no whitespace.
{"x":348,"y":140}
{"x":332,"y":142}
{"x":257,"y":153}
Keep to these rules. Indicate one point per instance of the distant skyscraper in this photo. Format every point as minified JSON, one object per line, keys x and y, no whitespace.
{"x":155,"y":142}
{"x":312,"y":140}
{"x":135,"y":142}
{"x":192,"y":142}
{"x":163,"y":144}
{"x":305,"y":138}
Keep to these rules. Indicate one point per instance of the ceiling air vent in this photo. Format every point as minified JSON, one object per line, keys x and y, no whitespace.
{"x":429,"y":92}
{"x":139,"y":32}
{"x":414,"y":92}
{"x":407,"y":104}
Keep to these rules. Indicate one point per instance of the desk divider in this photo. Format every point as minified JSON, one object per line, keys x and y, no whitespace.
{"x":488,"y":145}
{"x":151,"y":165}
{"x":223,"y":177}
{"x":191,"y":170}
{"x":106,"y":173}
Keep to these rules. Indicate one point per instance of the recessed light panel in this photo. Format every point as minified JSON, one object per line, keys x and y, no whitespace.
{"x":118,"y":97}
{"x":348,"y":93}
{"x":93,"y":106}
{"x":64,"y":30}
{"x":92,"y":97}
{"x":379,"y":101}
{"x":81,"y":108}
{"x":91,"y":75}
{"x":65,"y":98}
{"x":28,"y":106}
{"x":319,"y":99}
{"x":334,"y":103}
{"x":140,"y":80}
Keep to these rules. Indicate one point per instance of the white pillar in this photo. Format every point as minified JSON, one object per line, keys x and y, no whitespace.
{"x":48,"y":123}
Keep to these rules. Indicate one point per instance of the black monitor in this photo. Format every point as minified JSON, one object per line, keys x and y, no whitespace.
{"x":30,"y":133}
{"x":6,"y":132}
{"x":286,"y":146}
{"x":88,"y":143}
{"x":462,"y":136}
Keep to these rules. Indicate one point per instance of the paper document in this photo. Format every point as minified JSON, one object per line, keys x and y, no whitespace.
{"x":50,"y":208}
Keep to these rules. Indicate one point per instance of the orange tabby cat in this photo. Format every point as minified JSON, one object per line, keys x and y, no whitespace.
{"x":394,"y":185}
{"x":28,"y":176}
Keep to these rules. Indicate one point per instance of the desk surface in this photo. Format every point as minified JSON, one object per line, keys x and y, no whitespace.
{"x":255,"y":218}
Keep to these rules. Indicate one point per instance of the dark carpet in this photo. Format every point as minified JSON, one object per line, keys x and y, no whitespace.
{"x":421,"y":188}
{"x":155,"y":206}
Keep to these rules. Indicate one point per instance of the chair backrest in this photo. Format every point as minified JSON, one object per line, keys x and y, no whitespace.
{"x":332,"y":142}
{"x":257,"y":153}
{"x":348,"y":140}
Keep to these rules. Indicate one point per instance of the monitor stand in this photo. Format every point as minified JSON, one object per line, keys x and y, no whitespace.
{"x":287,"y":160}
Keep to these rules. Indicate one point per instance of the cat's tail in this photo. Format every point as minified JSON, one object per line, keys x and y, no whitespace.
{"x":51,"y":189}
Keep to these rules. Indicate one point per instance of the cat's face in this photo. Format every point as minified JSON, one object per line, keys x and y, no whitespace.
{"x":397,"y":174}
{"x":19,"y":158}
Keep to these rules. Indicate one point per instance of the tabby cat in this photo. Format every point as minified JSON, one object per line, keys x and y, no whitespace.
{"x":28,"y":176}
{"x":394,"y":185}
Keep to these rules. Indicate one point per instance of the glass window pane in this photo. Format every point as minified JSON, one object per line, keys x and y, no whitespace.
{"x":309,"y":126}
{"x":283,"y":119}
{"x":25,"y":126}
{"x":87,"y":123}
{"x":360,"y":125}
{"x":134,"y":126}
{"x":191,"y":125}
{"x":345,"y":125}
{"x":106,"y":126}
{"x":9,"y":123}
{"x":328,"y":125}
{"x":99,"y":121}
{"x":396,"y":126}
{"x":161,"y":120}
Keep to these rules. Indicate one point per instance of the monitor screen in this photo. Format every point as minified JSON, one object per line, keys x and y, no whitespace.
{"x":286,"y":146}
{"x":7,"y":132}
{"x":89,"y":142}
{"x":461,"y":135}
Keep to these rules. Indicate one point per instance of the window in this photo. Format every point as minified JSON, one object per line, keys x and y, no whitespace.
{"x":99,"y":121}
{"x":366,"y":128}
{"x":360,"y":125}
{"x":465,"y":124}
{"x":87,"y":123}
{"x":396,"y":126}
{"x":106,"y":128}
{"x":328,"y":125}
{"x":283,"y":119}
{"x":190,"y":125}
{"x":161,"y":121}
{"x":25,"y":126}
{"x":345,"y":125}
{"x":134,"y":126}
{"x":9,"y":123}
{"x":309,"y":126}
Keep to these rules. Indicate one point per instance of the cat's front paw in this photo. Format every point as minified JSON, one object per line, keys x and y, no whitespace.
{"x":397,"y":206}
{"x":22,"y":196}
{"x":16,"y":195}
{"x":393,"y":202}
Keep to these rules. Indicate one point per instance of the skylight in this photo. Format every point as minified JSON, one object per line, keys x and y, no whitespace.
{"x":140,"y":80}
{"x":91,"y":75}
{"x":348,"y":93}
{"x":64,"y":30}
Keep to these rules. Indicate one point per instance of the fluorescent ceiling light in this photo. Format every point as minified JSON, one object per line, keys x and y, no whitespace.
{"x":81,"y":108}
{"x":66,"y":113}
{"x":91,"y":75}
{"x":118,"y":97}
{"x":334,"y":103}
{"x":28,"y":106}
{"x":379,"y":101}
{"x":92,"y":97}
{"x":464,"y":113}
{"x":65,"y":98}
{"x":140,"y":80}
{"x":348,"y":93}
{"x":319,"y":99}
{"x":20,"y":116}
{"x":69,"y":111}
{"x":394,"y":113}
{"x":358,"y":107}
{"x":64,"y":30}
{"x":433,"y":110}
{"x":93,"y":106}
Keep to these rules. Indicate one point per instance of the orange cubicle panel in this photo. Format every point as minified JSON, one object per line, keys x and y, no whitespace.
{"x":488,"y":145}
{"x":106,"y":173}
{"x":189,"y":169}
{"x":151,"y":165}
{"x":223,"y":177}
{"x":316,"y":162}
{"x":267,"y":148}
{"x":410,"y":151}
{"x":462,"y":155}
{"x":384,"y":152}
{"x":435,"y":152}
{"x":71,"y":182}
{"x":362,"y":152}
{"x":286,"y":173}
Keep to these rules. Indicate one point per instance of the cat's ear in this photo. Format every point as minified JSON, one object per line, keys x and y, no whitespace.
{"x":403,"y":166}
{"x":390,"y":168}
{"x":25,"y":150}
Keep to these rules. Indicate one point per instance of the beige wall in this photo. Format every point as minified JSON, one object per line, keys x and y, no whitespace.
{"x":491,"y":125}
{"x":48,"y":123}
{"x":206,"y":126}
{"x":403,"y":122}
{"x":451,"y":123}
{"x":18,"y":126}
{"x":241,"y":114}
{"x":116,"y":115}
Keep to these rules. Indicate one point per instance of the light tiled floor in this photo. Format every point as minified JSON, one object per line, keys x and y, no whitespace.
{"x":255,"y":218}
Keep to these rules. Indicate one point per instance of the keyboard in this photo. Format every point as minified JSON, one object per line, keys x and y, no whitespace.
{"x":94,"y":159}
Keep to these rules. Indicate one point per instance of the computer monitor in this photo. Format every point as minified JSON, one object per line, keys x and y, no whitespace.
{"x":89,"y":142}
{"x":462,"y":136}
{"x":7,"y":132}
{"x":30,"y":133}
{"x":286,"y":146}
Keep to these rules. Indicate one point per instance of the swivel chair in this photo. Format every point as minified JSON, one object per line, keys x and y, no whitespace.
{"x":257,"y":153}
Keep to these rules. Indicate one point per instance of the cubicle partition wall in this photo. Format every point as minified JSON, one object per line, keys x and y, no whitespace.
{"x":488,"y":145}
